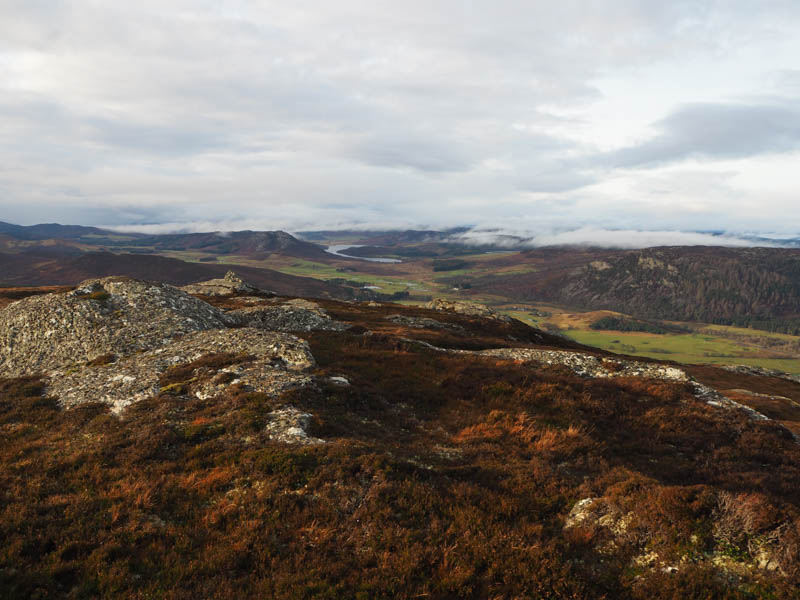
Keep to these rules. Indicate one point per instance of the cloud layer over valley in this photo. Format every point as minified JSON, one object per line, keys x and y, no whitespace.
{"x":563,"y":117}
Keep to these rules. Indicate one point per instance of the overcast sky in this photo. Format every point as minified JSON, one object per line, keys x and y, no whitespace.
{"x":527,"y":115}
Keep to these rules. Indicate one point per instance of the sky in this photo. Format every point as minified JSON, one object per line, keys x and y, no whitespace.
{"x":536,"y":117}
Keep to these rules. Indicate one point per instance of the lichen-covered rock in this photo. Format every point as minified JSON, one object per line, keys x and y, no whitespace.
{"x":714,"y":398}
{"x":761,"y":372}
{"x":226,"y":286}
{"x":588,"y":365}
{"x":113,"y":315}
{"x":425,"y":323}
{"x":285,"y":317}
{"x":466,"y":308}
{"x":275,"y":363}
{"x":290,"y":426}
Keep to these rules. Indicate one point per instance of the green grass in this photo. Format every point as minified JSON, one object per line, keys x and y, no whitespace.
{"x":751,"y":332}
{"x":308,"y":268}
{"x":684,"y":348}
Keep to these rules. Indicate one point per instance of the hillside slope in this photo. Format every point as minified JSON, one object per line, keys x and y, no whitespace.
{"x":378,"y":451}
{"x":710,"y":284}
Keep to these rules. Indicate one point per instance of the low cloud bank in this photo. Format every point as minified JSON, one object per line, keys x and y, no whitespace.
{"x":504,"y":237}
{"x":611,"y":238}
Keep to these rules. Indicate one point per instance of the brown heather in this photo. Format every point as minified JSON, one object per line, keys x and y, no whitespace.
{"x":442,"y":476}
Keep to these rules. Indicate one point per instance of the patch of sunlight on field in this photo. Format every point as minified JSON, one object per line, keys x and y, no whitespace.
{"x":683,"y":348}
{"x":744,"y":331}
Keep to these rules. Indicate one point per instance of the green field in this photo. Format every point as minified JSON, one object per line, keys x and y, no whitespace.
{"x":684,"y":348}
{"x":384,"y":285}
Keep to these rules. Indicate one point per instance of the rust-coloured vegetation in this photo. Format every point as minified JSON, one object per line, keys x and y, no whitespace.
{"x":443,"y":476}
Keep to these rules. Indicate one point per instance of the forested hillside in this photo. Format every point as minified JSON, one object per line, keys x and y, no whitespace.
{"x":743,"y":286}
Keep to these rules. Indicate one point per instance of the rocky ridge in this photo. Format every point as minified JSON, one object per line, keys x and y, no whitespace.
{"x":425,"y":323}
{"x":226,"y":286}
{"x":114,"y":315}
{"x":286,"y":317}
{"x":762,"y":372}
{"x":470,"y":309}
{"x":119,"y":341}
{"x":596,"y":367}
{"x":259,"y":361}
{"x":588,"y":365}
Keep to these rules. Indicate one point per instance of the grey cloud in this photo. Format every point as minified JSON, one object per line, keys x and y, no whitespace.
{"x":715,"y":131}
{"x":414,"y":151}
{"x":54,"y":131}
{"x":603,"y":238}
{"x":561,"y":180}
{"x":316,"y":114}
{"x":158,"y":139}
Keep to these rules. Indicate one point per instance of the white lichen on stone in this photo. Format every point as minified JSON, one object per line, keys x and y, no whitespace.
{"x":290,"y":426}
{"x":279,"y":363}
{"x":113,"y":315}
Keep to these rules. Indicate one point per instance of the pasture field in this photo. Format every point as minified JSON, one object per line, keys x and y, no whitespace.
{"x":700,"y":346}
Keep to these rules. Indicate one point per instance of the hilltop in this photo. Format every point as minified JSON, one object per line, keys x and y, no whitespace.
{"x":254,"y":445}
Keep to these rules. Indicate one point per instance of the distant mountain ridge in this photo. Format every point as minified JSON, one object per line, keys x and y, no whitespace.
{"x":247,"y":243}
{"x":46,"y":231}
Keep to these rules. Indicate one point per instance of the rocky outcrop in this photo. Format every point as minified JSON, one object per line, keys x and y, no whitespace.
{"x":227,"y":286}
{"x":119,"y":340}
{"x":285,"y":317}
{"x":761,"y":372}
{"x":714,"y":398}
{"x":113,"y":315}
{"x":588,"y":365}
{"x":425,"y":323}
{"x":290,"y":426}
{"x":591,"y":366}
{"x":598,"y":512}
{"x":740,"y":546}
{"x":258,"y":361}
{"x":466,"y":308}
